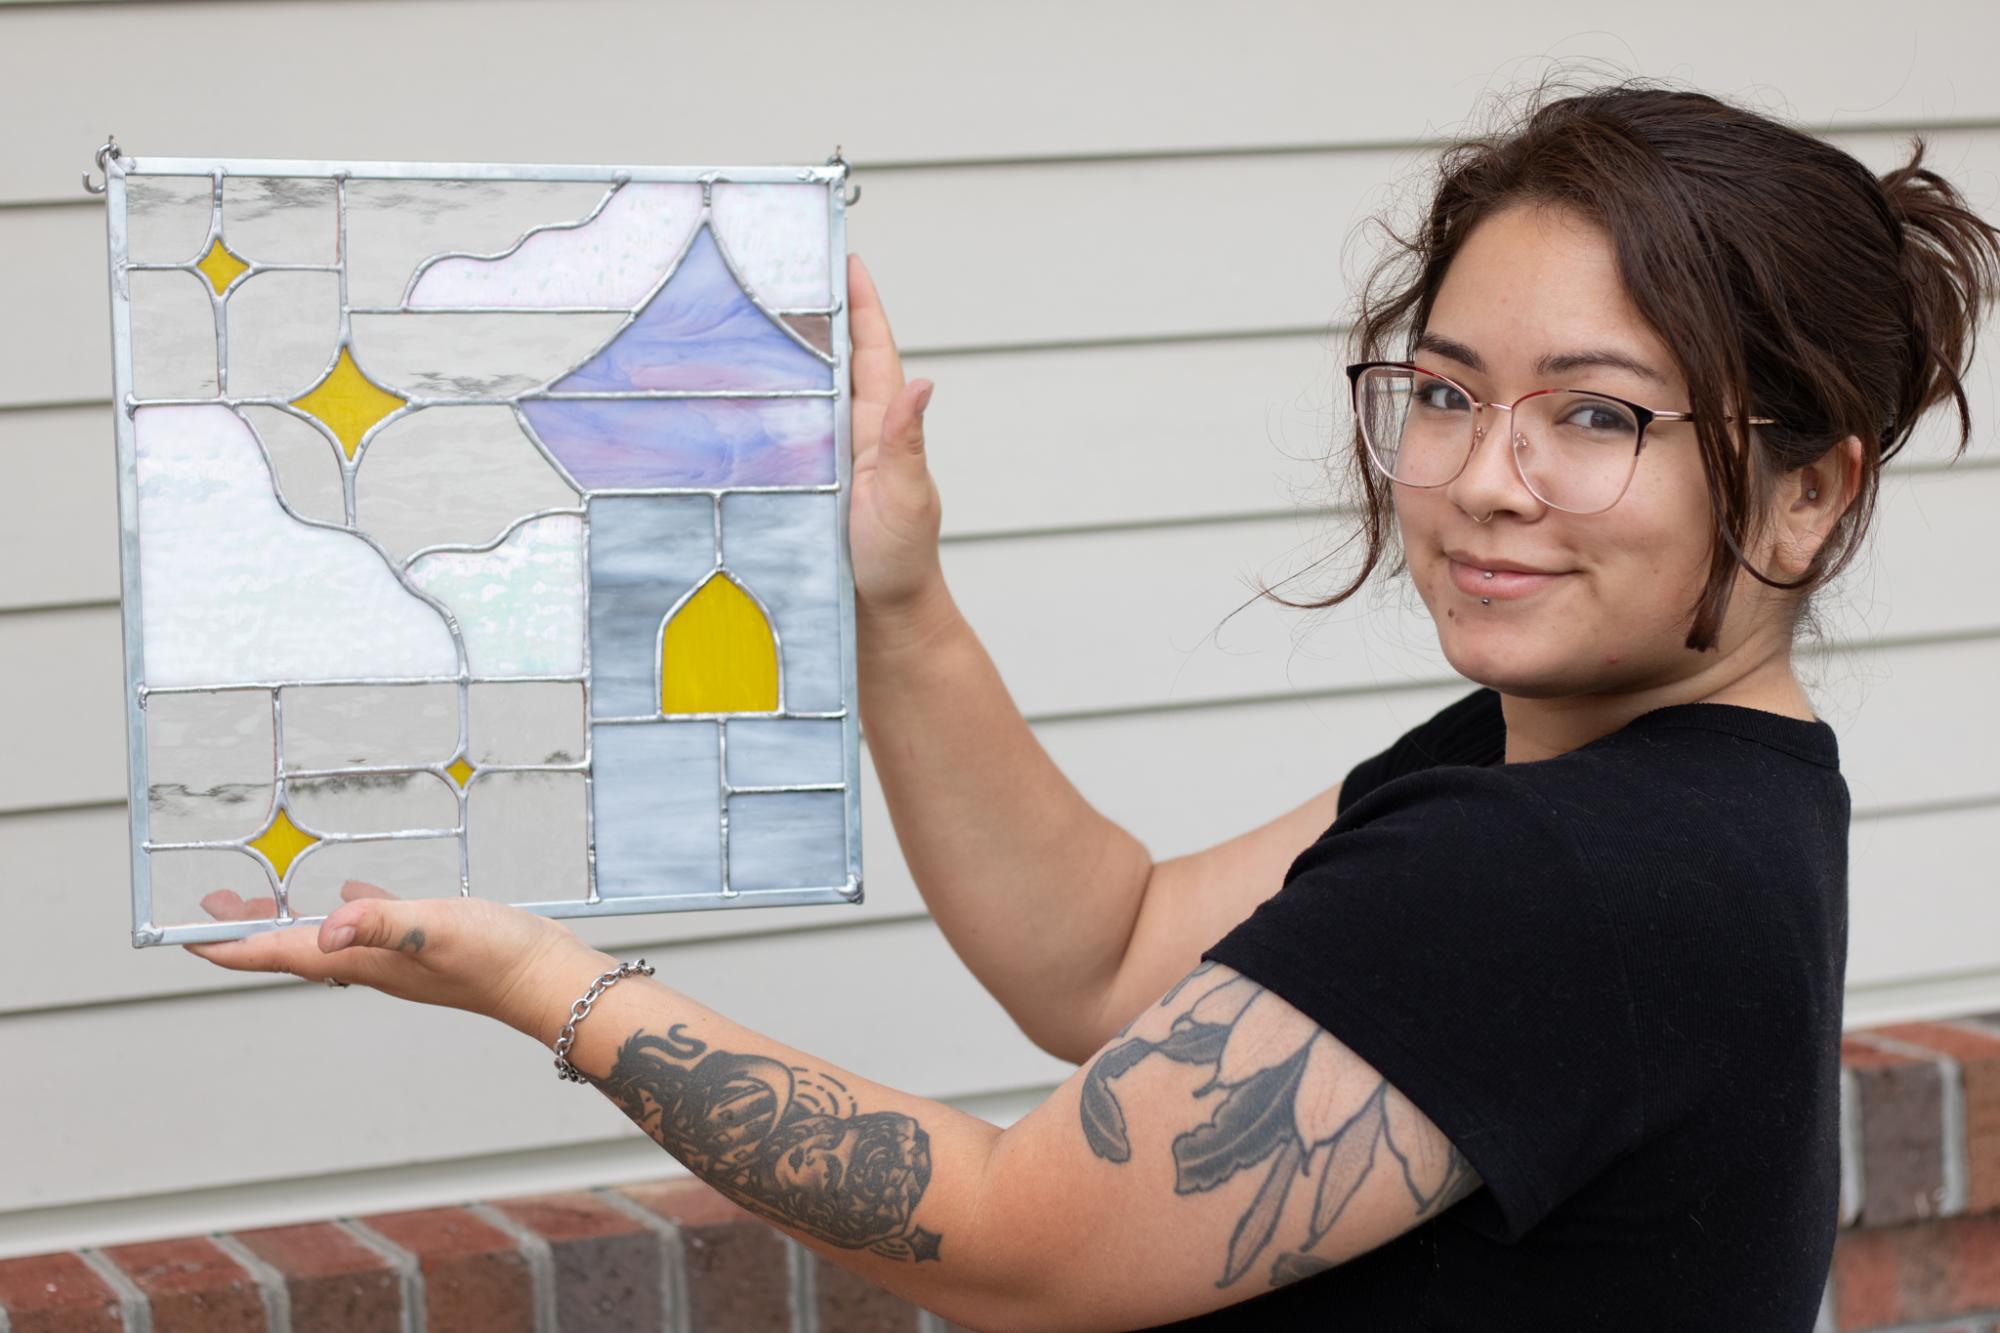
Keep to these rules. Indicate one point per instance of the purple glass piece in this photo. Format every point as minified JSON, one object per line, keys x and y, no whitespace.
{"x":645,"y":442}
{"x":700,"y":332}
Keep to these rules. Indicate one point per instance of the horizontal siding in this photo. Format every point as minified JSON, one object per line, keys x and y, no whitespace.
{"x":1116,"y":620}
{"x":1117,"y":251}
{"x":1180,"y":780}
{"x":1118,"y":246}
{"x":315,"y":1079}
{"x":1036,"y":78}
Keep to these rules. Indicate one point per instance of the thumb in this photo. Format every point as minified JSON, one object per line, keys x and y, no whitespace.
{"x":376,"y":923}
{"x":903,"y":426}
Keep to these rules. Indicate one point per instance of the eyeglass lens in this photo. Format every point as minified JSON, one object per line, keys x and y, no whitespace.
{"x":1576,"y":451}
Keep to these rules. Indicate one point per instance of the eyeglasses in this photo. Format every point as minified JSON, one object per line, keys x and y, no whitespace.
{"x":1576,"y":450}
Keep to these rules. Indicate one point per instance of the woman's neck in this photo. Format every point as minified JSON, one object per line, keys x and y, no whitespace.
{"x":1545,"y":728}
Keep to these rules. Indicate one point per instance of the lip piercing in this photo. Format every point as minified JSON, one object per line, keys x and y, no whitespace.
{"x":1486,"y":601}
{"x":1489,"y":574}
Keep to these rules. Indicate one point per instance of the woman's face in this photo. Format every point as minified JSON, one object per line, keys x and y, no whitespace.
{"x":1610,"y":616}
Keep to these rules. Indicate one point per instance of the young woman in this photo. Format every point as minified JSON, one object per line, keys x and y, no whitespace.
{"x":1543,"y":1030}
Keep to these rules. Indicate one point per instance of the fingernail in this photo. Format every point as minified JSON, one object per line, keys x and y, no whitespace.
{"x":924,"y":398}
{"x":339,"y":938}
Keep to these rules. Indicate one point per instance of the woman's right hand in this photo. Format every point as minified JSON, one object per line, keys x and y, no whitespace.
{"x":894,"y":516}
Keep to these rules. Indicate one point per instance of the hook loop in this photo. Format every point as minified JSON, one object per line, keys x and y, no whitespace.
{"x":852,"y":195}
{"x":104,"y":155}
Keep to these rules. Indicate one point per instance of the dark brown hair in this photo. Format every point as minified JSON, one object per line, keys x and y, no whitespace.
{"x":1781,"y":271}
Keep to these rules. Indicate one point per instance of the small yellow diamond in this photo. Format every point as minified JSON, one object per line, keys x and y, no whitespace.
{"x":220,"y":266}
{"x":282,"y":842}
{"x":348,"y":402}
{"x":460,"y":770}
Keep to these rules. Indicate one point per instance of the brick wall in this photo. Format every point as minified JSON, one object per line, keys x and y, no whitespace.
{"x":1918,"y":1252}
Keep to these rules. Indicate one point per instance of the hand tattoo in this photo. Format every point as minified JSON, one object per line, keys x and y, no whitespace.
{"x":781,"y":1141}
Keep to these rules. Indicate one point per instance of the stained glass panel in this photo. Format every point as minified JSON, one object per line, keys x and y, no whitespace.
{"x":483,"y":535}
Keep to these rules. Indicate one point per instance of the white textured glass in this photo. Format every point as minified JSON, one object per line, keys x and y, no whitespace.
{"x":525,"y":722}
{"x":237,"y":591}
{"x":613,"y":256}
{"x":776,"y":237}
{"x":394,"y":226}
{"x":519,"y":603}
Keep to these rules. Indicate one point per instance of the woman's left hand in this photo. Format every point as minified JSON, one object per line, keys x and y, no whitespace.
{"x":464,"y":953}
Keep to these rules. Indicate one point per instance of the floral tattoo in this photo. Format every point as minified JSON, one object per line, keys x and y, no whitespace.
{"x":1263,"y":1053}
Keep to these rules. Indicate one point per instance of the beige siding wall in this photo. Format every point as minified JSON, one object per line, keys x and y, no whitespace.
{"x":1114,"y":235}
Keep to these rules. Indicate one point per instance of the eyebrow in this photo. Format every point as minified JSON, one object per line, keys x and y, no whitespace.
{"x":1551,"y":364}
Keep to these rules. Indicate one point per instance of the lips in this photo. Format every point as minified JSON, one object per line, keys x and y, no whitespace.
{"x":1504,"y":583}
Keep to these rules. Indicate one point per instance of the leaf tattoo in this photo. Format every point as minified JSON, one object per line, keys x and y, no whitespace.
{"x":1257,"y":1124}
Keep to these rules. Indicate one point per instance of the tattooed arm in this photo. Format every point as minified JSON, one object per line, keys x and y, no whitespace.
{"x":1220,"y":1145}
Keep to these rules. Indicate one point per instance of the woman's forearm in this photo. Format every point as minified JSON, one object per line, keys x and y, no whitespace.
{"x":1035,"y":889}
{"x":881,"y":1182}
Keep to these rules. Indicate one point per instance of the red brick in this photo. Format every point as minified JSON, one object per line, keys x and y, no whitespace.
{"x":1978,"y":1056}
{"x":607,"y":1264}
{"x":850,"y":1303}
{"x":57,"y":1293}
{"x":1917,"y":1271}
{"x":475,"y":1278}
{"x":1901,"y":1106}
{"x":737,"y":1268}
{"x":192,"y":1285}
{"x":336,"y":1284}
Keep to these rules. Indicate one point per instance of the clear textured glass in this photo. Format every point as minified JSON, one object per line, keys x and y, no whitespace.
{"x":1575,"y":450}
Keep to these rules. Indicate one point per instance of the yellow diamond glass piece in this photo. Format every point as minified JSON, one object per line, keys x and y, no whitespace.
{"x":718,"y":654}
{"x":220,"y":265}
{"x":347,"y":402}
{"x":282,"y":841}
{"x":460,"y":770}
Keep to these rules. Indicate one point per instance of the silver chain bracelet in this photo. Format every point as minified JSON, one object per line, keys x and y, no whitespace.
{"x":567,"y":1037}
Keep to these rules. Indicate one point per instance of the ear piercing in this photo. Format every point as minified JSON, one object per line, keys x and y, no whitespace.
{"x":1812,"y":495}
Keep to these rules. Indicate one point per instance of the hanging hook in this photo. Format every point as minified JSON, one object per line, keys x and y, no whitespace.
{"x":104,"y":154}
{"x":852,"y":195}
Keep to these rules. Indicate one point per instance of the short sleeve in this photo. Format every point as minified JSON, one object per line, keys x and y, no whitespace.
{"x":1447,"y":930}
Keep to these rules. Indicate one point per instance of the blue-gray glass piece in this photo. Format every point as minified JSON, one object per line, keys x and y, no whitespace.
{"x":646,"y":553}
{"x":787,"y":840}
{"x":656,"y":803}
{"x":785,"y":548}
{"x":783,"y":752}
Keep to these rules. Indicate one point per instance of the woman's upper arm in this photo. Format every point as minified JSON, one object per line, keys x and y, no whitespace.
{"x":1192,"y":901}
{"x":1223,"y":1145}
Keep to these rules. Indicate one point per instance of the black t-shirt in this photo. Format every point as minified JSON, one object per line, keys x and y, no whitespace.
{"x":1614,"y":980}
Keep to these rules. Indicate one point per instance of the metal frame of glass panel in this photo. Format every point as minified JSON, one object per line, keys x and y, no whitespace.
{"x":459,"y":771}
